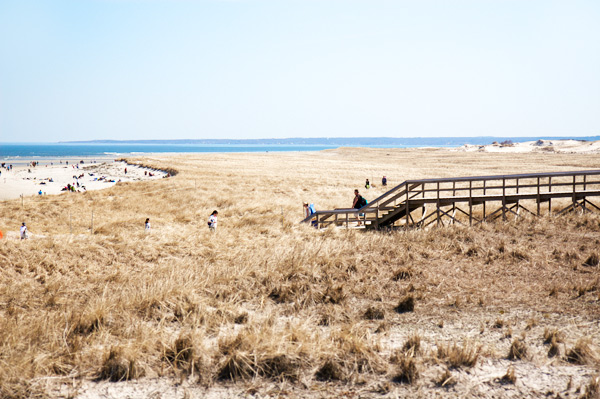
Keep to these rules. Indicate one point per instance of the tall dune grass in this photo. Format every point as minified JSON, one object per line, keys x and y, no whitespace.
{"x":267,"y":298}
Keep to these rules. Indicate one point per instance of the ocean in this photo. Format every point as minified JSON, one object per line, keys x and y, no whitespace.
{"x":26,"y":152}
{"x":10,"y":151}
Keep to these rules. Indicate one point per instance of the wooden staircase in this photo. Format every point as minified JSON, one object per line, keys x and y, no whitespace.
{"x":469,"y":200}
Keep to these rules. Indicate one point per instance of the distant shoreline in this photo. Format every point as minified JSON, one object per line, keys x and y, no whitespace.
{"x":343,"y":141}
{"x":24,"y":153}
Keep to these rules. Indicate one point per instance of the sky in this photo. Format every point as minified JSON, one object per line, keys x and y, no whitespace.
{"x":236,"y":69}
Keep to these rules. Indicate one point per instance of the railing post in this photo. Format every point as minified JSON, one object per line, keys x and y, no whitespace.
{"x":503,"y":198}
{"x":538,"y":196}
{"x":438,"y":203}
{"x":574,"y":193}
{"x":583,"y":203}
{"x":406,"y":208}
{"x":453,"y":202}
{"x":423,"y":211}
{"x":484,"y":201}
{"x":470,"y":202}
{"x":518,"y":204}
{"x":549,"y":197}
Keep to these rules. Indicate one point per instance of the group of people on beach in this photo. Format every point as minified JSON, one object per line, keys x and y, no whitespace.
{"x":8,"y":167}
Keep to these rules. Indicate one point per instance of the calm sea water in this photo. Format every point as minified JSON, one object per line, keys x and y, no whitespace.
{"x":53,"y":150}
{"x":30,"y":151}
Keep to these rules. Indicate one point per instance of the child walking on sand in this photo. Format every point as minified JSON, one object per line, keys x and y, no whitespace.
{"x":212,"y":221}
{"x":23,"y":232}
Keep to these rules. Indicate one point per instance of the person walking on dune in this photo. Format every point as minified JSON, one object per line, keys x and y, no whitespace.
{"x":23,"y":232}
{"x":147,"y":225}
{"x":212,"y":221}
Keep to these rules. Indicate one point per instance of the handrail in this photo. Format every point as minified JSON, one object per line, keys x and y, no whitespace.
{"x":480,"y":178}
{"x":498,"y":177}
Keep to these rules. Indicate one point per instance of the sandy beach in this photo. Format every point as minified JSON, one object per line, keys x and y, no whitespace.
{"x":52,"y":179}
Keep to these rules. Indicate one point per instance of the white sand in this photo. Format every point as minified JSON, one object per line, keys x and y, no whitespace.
{"x":29,"y":181}
{"x":556,"y":146}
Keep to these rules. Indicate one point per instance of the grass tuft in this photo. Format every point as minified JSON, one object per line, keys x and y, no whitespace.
{"x":518,"y":350}
{"x":412,"y":344}
{"x":404,"y":273}
{"x":183,"y":352}
{"x":446,"y":379}
{"x":592,"y":260}
{"x":554,"y":350}
{"x":406,"y":370}
{"x":582,"y":353}
{"x":279,"y":366}
{"x":406,"y":304}
{"x":237,"y":366}
{"x":592,"y":390}
{"x":373,"y":313}
{"x":329,"y":371}
{"x":510,"y":377}
{"x":552,"y":335}
{"x":118,"y":367}
{"x":459,"y":356}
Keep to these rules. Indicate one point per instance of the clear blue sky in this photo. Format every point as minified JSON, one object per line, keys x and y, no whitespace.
{"x":159,"y":69}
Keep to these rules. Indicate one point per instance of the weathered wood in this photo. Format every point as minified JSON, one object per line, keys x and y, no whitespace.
{"x":507,"y":191}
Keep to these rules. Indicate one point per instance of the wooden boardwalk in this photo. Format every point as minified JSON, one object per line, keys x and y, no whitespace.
{"x":470,"y":200}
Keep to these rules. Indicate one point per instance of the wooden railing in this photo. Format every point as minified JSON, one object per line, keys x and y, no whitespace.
{"x":469,"y":200}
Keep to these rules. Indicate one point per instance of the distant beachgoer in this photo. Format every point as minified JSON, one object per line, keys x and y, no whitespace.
{"x":23,"y":231}
{"x":367,"y":184}
{"x":40,"y":192}
{"x":212,"y":221}
{"x":358,"y":203}
{"x":384,"y":181}
{"x":125,"y":170}
{"x":309,"y":210}
{"x":147,"y":224}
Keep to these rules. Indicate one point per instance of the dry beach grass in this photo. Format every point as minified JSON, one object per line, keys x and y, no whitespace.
{"x":269,"y":306}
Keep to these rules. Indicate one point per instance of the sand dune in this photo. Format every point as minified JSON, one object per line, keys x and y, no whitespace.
{"x":555,"y":146}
